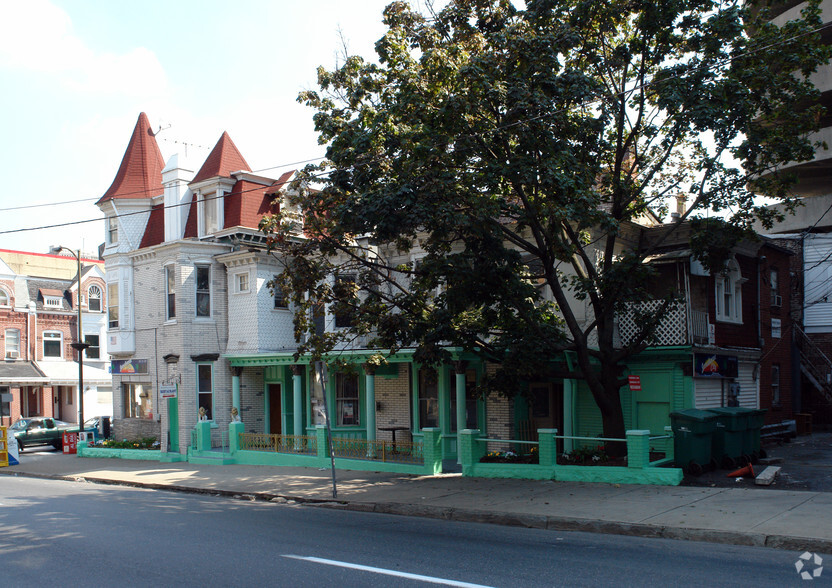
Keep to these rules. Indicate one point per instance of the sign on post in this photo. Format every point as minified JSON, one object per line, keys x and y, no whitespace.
{"x":167,"y":391}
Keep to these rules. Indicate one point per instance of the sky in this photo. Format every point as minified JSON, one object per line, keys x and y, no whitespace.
{"x":75,"y":75}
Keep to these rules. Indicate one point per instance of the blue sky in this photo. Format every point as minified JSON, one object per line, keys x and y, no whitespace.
{"x":76,"y":74}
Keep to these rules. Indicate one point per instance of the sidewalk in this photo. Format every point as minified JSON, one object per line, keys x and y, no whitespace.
{"x":793,"y":520}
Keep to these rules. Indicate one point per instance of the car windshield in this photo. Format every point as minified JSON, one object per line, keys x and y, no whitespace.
{"x":93,"y":422}
{"x":19,"y":425}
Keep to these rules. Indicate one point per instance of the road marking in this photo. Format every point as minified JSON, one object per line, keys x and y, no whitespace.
{"x":343,"y":564}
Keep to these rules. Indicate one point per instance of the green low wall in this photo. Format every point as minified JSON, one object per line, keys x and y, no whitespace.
{"x":145,"y":454}
{"x":639,"y":470}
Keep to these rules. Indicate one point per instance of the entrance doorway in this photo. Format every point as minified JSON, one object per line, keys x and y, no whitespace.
{"x":275,"y":393}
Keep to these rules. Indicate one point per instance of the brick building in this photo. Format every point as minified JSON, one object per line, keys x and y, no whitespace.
{"x":39,"y":296}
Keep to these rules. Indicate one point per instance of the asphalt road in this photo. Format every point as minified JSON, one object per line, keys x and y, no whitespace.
{"x":61,"y":533}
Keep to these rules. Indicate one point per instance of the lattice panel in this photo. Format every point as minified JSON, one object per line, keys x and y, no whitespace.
{"x":671,"y":331}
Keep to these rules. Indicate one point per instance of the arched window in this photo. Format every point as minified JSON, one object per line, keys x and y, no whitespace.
{"x":94,"y":299}
{"x":4,"y":297}
{"x":729,"y":293}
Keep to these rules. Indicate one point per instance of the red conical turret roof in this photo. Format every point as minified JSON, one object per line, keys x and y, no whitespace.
{"x":140,"y":172}
{"x":224,"y":159}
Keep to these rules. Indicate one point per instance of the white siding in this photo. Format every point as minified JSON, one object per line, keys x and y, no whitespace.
{"x":817,"y":269}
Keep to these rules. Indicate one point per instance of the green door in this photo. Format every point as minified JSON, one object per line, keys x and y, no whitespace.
{"x":652,"y":403}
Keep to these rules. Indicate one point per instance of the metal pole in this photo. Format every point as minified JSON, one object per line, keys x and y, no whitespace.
{"x":80,"y":354}
{"x":79,"y":344}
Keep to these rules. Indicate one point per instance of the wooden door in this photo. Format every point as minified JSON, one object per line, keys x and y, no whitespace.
{"x":275,"y":409}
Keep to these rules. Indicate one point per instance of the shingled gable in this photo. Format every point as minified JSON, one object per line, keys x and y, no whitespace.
{"x":140,"y":172}
{"x":224,"y":159}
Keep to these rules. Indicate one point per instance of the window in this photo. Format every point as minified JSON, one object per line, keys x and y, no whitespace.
{"x":94,"y":350}
{"x":205,"y":388}
{"x":12,"y":343}
{"x":5,"y":403}
{"x":428,"y":398}
{"x":776,"y":328}
{"x":346,"y":400}
{"x":112,"y":230}
{"x":94,"y":299}
{"x":241,"y":282}
{"x":279,"y":298}
{"x":775,"y":385}
{"x":112,"y":304}
{"x":729,"y":293}
{"x":138,"y":401}
{"x":344,"y":287}
{"x":211,"y":213}
{"x":53,"y":301}
{"x":4,"y":297}
{"x":203,"y":290}
{"x":774,"y":284}
{"x":52,"y":344}
{"x":170,"y":293}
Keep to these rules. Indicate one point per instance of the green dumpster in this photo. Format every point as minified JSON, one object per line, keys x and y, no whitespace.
{"x":693,"y":431}
{"x":751,"y":441}
{"x":731,"y":450}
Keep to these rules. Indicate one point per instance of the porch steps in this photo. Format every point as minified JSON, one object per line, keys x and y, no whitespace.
{"x":210,"y":458}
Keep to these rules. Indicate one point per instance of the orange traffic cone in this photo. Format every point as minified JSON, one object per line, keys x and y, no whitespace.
{"x":746,"y":471}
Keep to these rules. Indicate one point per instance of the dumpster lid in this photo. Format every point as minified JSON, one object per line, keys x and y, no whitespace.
{"x":693,"y":414}
{"x":732,"y":410}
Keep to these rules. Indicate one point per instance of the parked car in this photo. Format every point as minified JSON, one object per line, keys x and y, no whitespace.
{"x":40,"y":431}
{"x":94,"y":424}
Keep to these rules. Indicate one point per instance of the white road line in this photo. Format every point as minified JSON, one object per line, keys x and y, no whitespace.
{"x":343,"y":564}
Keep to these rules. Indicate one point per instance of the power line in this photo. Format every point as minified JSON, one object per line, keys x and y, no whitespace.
{"x":586,"y":104}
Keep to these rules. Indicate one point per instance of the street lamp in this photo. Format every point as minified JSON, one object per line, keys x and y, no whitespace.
{"x":79,"y":344}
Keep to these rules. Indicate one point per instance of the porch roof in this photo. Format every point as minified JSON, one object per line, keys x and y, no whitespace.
{"x":21,"y":372}
{"x":351,"y":355}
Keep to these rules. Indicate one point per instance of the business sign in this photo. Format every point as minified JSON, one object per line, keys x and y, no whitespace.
{"x":167,"y":391}
{"x":635,"y":383}
{"x":706,"y":365}
{"x":128,"y":366}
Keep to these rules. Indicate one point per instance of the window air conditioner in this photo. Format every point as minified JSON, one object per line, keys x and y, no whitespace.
{"x":777,"y":301}
{"x":11,"y":354}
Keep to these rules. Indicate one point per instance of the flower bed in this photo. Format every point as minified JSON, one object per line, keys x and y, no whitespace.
{"x":510,"y":457}
{"x":143,"y":443}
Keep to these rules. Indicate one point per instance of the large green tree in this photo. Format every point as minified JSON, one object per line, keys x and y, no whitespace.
{"x":517,"y":149}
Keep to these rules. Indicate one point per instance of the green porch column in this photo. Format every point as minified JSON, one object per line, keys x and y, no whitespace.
{"x":568,"y":414}
{"x":459,"y":369}
{"x":236,"y":372}
{"x":297,"y":399}
{"x":470,"y":450}
{"x":370,"y":396}
{"x":234,"y":430}
{"x":432,"y":450}
{"x":203,"y":436}
{"x":547,"y":453}
{"x":638,"y":448}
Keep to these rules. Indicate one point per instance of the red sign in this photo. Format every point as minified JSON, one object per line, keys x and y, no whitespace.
{"x":635,"y":383}
{"x":70,"y":442}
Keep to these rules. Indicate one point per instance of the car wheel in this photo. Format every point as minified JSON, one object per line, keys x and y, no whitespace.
{"x":58,"y":445}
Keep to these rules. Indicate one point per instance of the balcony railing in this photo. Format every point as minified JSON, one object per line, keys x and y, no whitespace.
{"x":672,"y":330}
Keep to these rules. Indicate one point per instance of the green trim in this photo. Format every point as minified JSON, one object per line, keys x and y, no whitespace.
{"x":144,"y":454}
{"x":352,"y":355}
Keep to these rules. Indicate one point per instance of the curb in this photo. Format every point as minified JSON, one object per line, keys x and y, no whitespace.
{"x":542,"y":522}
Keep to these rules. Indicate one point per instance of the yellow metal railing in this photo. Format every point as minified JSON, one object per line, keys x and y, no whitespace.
{"x":301,"y":444}
{"x":385,"y":451}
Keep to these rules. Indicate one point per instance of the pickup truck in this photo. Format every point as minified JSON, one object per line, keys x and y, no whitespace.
{"x":40,"y":431}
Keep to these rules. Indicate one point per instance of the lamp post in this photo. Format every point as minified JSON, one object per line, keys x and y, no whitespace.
{"x":79,"y":344}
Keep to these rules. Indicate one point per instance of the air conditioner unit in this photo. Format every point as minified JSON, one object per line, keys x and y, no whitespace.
{"x":777,"y":301}
{"x":11,"y":354}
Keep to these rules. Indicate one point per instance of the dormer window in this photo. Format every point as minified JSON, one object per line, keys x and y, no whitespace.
{"x":94,"y":299}
{"x":112,"y":230}
{"x":53,"y":301}
{"x":211,"y":209}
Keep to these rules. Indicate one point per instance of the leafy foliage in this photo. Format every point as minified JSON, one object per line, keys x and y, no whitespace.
{"x":489,"y":177}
